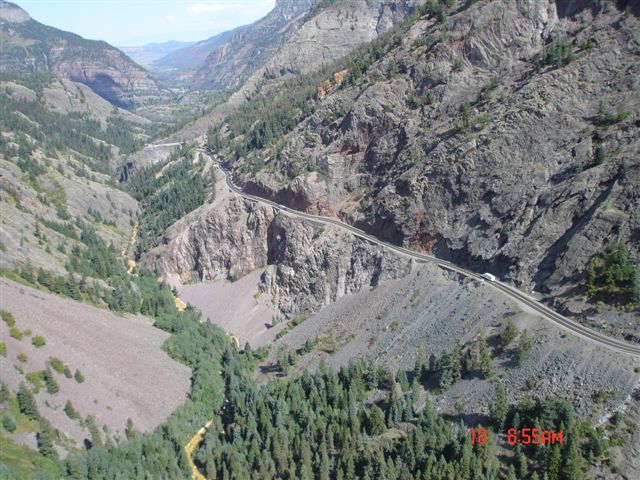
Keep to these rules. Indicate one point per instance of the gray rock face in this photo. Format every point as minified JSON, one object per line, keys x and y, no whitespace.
{"x":307,"y":266}
{"x":510,"y":185}
{"x":249,"y":47}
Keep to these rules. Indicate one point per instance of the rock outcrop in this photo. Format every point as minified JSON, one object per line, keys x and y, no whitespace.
{"x":30,"y":47}
{"x":477,"y":138}
{"x":308,"y":266}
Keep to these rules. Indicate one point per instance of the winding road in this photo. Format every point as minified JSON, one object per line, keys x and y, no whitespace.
{"x":516,"y":295}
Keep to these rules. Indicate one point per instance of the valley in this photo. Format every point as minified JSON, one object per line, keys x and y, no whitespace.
{"x":323,"y":245}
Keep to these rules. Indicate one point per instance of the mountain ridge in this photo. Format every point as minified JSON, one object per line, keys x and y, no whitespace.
{"x":32,"y":47}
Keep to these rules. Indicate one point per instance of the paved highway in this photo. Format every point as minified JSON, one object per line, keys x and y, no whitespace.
{"x":520,"y":297}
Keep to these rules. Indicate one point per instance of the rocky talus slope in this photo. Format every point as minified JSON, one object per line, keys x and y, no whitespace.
{"x":30,"y":47}
{"x":503,"y":137}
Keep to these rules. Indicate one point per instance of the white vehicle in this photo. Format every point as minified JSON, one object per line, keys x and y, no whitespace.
{"x":489,"y":277}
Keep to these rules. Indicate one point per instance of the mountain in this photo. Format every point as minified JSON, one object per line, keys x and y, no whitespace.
{"x":30,"y":47}
{"x":446,"y":138}
{"x":146,"y":55}
{"x":249,"y":47}
{"x":191,"y":57}
{"x":310,"y":42}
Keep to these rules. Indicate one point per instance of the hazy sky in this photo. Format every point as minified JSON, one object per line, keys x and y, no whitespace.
{"x":136,"y":22}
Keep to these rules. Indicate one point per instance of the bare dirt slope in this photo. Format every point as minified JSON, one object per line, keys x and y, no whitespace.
{"x":127,"y":374}
{"x":237,"y":307}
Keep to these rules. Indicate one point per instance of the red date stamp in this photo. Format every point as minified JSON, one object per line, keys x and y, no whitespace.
{"x":519,"y":436}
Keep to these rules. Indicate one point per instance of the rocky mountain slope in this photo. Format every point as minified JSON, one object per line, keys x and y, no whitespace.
{"x":146,"y":55}
{"x":59,"y":145}
{"x":502,"y":135}
{"x":185,"y":61}
{"x":30,"y":47}
{"x":313,"y":39}
{"x":237,"y":54}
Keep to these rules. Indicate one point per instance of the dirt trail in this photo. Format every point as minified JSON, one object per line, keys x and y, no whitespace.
{"x":190,"y":448}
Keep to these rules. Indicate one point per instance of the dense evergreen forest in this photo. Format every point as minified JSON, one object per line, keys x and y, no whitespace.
{"x":167,"y":191}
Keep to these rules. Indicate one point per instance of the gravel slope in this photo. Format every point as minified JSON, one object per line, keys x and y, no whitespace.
{"x":127,"y":374}
{"x":433,"y":308}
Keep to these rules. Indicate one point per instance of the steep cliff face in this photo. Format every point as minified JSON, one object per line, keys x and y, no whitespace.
{"x":307,"y":266}
{"x":504,"y":137}
{"x":237,"y":56}
{"x":31,"y":47}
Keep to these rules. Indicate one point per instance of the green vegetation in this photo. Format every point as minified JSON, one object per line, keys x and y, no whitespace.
{"x":65,"y":229}
{"x":50,"y":382}
{"x":167,"y":191}
{"x":8,"y":422}
{"x":78,"y":376}
{"x":605,"y":118}
{"x":508,"y":335}
{"x":57,"y":364}
{"x":38,"y":341}
{"x":3,"y":349}
{"x":291,"y":324}
{"x":35,"y":379}
{"x":525,"y":346}
{"x":484,"y":358}
{"x":8,"y":318}
{"x":55,"y":131}
{"x":558,"y":54}
{"x":15,"y":332}
{"x":612,"y":278}
{"x":70,"y":411}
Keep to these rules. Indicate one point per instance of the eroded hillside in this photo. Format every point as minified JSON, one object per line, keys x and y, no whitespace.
{"x":502,"y":136}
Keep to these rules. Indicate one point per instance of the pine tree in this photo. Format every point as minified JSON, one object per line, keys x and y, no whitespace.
{"x":376,"y":421}
{"x":499,"y":408}
{"x":455,"y":361}
{"x":27,"y":403}
{"x":524,"y":349}
{"x":70,"y":411}
{"x":8,"y":422}
{"x":45,"y":439}
{"x":485,"y":361}
{"x":508,"y":334}
{"x":573,"y":468}
{"x":50,"y":381}
{"x":554,"y":463}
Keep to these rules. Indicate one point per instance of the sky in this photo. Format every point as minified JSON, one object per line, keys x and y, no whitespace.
{"x":125,"y":23}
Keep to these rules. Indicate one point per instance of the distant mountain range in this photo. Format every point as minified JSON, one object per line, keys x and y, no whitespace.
{"x":227,"y":59}
{"x":147,"y":54}
{"x":30,"y":47}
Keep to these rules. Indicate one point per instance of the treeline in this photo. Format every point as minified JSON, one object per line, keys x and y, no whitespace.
{"x":167,"y":192}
